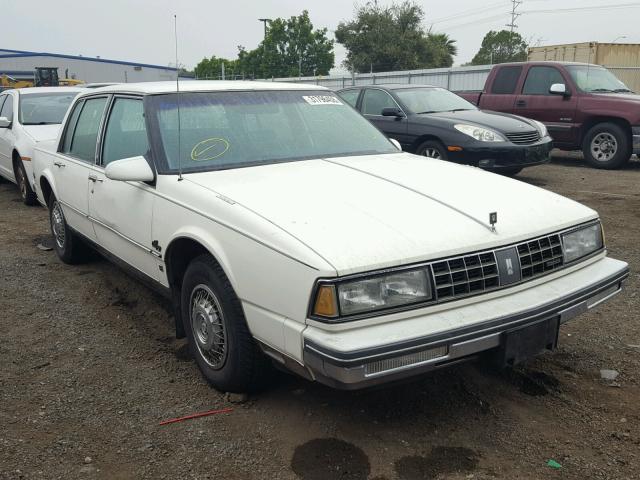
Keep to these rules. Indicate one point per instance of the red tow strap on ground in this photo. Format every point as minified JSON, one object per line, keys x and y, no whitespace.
{"x":196,"y":415}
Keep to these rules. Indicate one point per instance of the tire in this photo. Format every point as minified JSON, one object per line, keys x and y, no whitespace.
{"x":606,"y":146}
{"x":68,"y":246}
{"x":433,"y":147}
{"x":509,"y":171}
{"x":26,"y":192}
{"x":218,"y":335}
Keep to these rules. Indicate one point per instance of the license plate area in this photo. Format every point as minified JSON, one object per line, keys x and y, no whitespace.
{"x":523,"y":343}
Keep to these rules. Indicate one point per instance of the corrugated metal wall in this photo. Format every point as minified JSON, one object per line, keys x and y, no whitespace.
{"x":87,"y":70}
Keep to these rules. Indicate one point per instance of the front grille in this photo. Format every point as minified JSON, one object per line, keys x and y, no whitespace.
{"x":455,"y":277}
{"x":410,"y":359}
{"x":540,"y":256}
{"x":523,"y":138}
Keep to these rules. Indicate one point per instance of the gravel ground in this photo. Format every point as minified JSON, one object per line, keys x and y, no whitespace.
{"x":89,"y":367}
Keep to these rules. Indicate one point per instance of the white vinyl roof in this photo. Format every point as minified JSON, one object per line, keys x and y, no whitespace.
{"x":30,"y":90}
{"x":150,"y":88}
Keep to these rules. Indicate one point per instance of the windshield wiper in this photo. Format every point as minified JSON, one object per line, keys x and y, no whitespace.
{"x":41,"y":123}
{"x":426,"y":111}
{"x":602,"y":90}
{"x":623,"y":90}
{"x":460,"y":110}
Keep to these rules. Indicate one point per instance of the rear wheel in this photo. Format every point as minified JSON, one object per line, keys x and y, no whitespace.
{"x":509,"y":171}
{"x":66,"y":243}
{"x":28,"y":195}
{"x":219,"y":338}
{"x":432,"y":149}
{"x":606,"y":146}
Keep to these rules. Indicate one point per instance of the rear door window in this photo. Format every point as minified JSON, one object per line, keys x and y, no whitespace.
{"x":85,"y":135}
{"x":506,"y":80}
{"x":540,"y":79}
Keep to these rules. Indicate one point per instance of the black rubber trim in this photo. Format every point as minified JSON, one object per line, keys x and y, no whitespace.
{"x":466,"y":333}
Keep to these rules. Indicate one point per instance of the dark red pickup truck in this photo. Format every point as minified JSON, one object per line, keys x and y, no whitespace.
{"x":585,"y":107}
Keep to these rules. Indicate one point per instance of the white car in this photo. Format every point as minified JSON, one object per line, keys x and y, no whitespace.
{"x":29,"y":116}
{"x":284,"y":226}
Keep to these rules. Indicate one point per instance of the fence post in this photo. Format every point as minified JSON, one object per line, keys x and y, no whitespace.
{"x":373,"y":78}
{"x":408,"y":78}
{"x":448,"y":79}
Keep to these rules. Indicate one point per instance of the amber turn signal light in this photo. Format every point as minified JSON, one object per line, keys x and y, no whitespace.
{"x":453,"y":148}
{"x":326,"y":303}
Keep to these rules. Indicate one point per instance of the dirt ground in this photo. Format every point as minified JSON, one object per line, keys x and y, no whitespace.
{"x":89,"y":367}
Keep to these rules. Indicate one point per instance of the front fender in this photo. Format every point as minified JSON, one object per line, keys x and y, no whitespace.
{"x":41,"y":163}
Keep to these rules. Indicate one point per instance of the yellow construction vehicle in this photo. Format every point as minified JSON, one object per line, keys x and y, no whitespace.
{"x":42,"y":77}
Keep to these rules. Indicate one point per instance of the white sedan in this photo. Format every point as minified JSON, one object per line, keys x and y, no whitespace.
{"x":285,"y":227}
{"x":29,"y":116}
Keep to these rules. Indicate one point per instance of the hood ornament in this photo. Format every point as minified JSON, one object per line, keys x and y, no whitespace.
{"x":493,"y":219}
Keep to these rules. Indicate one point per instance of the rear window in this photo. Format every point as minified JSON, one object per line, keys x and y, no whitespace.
{"x":506,"y":80}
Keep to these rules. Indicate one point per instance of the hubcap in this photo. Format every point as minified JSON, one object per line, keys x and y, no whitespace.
{"x":207,"y":325}
{"x":57,"y":224}
{"x":432,"y":152}
{"x":604,"y":147}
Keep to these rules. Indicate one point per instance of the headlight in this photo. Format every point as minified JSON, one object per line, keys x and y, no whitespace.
{"x":541,"y":128}
{"x":368,"y":294}
{"x":582,"y":242}
{"x":479,"y":133}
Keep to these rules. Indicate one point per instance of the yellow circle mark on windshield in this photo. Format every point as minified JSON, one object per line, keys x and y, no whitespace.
{"x":209,"y":149}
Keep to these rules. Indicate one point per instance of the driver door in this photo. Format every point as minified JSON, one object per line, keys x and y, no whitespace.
{"x":6,"y":137}
{"x":374,"y":100}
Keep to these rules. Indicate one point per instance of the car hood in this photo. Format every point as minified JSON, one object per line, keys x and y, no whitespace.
{"x":502,"y":122}
{"x":40,"y":133}
{"x":368,"y":212}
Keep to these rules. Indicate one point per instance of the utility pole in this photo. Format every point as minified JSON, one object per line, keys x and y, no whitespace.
{"x":264,"y":42}
{"x":514,"y":14}
{"x":265,"y":21}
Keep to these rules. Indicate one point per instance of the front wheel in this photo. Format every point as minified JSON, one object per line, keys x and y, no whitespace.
{"x":432,"y":149}
{"x":606,"y":146}
{"x":66,"y":242}
{"x":218,"y":335}
{"x":26,"y":192}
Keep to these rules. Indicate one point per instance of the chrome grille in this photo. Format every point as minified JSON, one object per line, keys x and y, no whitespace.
{"x":540,"y":256}
{"x":470,"y":274}
{"x":523,"y":138}
{"x":394,"y":363}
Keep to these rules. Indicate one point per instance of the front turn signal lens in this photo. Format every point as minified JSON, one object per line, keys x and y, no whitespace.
{"x":326,"y":303}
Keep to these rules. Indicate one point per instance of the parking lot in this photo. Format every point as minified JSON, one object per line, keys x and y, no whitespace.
{"x":90,"y":366}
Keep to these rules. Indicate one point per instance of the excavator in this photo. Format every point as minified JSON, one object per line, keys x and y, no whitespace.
{"x":42,"y":77}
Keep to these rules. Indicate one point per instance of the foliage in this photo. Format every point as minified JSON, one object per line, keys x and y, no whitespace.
{"x":392,"y":38}
{"x":501,"y":47}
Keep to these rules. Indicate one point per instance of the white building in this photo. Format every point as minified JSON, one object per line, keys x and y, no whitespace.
{"x":21,"y":65}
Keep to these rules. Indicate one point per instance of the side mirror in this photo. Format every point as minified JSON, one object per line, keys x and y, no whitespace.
{"x":134,"y":169}
{"x":559,"y":89}
{"x":396,"y":143}
{"x":392,"y":112}
{"x":5,"y":122}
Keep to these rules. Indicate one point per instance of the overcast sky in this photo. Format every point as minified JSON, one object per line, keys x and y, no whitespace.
{"x":142,"y":30}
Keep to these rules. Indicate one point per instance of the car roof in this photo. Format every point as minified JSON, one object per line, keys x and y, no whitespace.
{"x":151,"y":88}
{"x":392,"y":86}
{"x":33,"y":90}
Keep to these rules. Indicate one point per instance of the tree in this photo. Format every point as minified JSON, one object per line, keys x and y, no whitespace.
{"x":500,"y":47}
{"x":212,"y":68}
{"x":392,"y":38}
{"x":291,"y":47}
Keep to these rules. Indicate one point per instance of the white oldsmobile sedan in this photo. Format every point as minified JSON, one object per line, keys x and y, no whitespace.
{"x":285,"y":228}
{"x":29,"y":116}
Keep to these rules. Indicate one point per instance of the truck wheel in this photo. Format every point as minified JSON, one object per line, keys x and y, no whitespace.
{"x":606,"y":146}
{"x":218,"y":335}
{"x":28,"y":195}
{"x":432,"y":149}
{"x":66,"y":242}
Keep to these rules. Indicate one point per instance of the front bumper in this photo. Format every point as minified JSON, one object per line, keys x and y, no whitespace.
{"x":504,"y":155}
{"x":474,"y":328}
{"x":635,"y":137}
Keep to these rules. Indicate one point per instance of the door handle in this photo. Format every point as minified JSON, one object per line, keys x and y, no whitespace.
{"x":95,"y":179}
{"x":521,"y":103}
{"x":59,"y":164}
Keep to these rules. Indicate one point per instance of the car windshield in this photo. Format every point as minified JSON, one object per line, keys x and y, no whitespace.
{"x":596,"y":79}
{"x":44,"y":108}
{"x":432,"y":99}
{"x":221,"y":130}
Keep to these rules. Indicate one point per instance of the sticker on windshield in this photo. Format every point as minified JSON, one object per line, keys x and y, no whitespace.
{"x":321,"y":100}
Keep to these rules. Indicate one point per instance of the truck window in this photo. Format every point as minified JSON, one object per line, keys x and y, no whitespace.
{"x":126,"y":134}
{"x":506,"y":80}
{"x":540,"y":79}
{"x":375,"y":100}
{"x":85,"y":135}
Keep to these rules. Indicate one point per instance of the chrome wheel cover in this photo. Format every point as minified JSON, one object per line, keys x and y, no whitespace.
{"x":432,"y":153}
{"x":604,"y":146}
{"x":207,"y":326}
{"x":58,"y":225}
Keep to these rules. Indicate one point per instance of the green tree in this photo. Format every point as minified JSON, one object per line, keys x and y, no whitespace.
{"x":501,"y":47}
{"x":212,"y":68}
{"x":392,"y":38}
{"x":291,"y":47}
